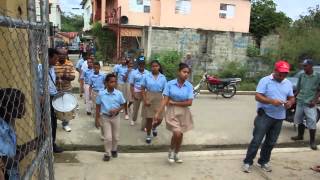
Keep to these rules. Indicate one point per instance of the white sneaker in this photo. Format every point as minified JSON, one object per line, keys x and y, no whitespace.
{"x":126,"y":117}
{"x":177,"y":159}
{"x":67,"y":128}
{"x":132,"y":123}
{"x":122,"y":111}
{"x":171,"y":157}
{"x":246,"y":168}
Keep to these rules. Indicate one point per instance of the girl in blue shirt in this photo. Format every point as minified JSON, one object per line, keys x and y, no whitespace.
{"x":87,"y":75}
{"x":178,"y":96}
{"x":136,"y":90}
{"x":152,"y":88}
{"x":121,"y":73}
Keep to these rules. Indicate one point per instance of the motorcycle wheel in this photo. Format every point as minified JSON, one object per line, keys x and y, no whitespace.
{"x":229,"y":91}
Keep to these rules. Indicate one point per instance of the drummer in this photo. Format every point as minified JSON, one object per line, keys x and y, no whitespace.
{"x":65,"y":74}
{"x":53,"y":58}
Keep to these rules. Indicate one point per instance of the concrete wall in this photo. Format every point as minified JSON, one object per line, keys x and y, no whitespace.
{"x":209,"y":48}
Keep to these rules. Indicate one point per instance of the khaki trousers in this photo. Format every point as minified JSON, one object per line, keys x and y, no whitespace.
{"x":111,"y":132}
{"x":136,"y":106}
{"x":88,"y":102}
{"x":94,"y":95}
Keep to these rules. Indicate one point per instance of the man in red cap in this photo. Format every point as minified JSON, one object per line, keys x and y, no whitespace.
{"x":274,"y":95}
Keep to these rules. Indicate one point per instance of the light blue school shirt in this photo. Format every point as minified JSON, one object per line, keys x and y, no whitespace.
{"x":110,"y":100}
{"x":8,"y":139}
{"x":51,"y":84}
{"x":273,"y":89}
{"x":121,"y":73}
{"x":137,"y":78}
{"x":87,"y":75}
{"x":79,"y":63}
{"x":154,"y":85}
{"x":97,"y":81}
{"x":177,"y":93}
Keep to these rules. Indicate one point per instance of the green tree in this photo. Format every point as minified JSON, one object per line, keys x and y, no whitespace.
{"x":71,"y":22}
{"x":265,"y":19}
{"x":302,"y":39}
{"x":106,"y":42}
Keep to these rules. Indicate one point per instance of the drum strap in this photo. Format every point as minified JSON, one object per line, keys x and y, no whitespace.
{"x":52,"y":79}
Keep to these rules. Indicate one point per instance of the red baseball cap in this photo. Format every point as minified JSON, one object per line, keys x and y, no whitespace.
{"x":282,"y":66}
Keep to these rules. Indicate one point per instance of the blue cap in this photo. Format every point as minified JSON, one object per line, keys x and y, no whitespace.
{"x":307,"y":62}
{"x":141,"y":59}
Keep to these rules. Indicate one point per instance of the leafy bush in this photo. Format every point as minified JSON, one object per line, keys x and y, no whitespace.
{"x":106,"y":42}
{"x":169,"y":61}
{"x":253,"y":51}
{"x":247,"y":86}
{"x":232,"y":69}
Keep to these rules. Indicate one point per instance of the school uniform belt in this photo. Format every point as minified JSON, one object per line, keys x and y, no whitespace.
{"x":105,"y":114}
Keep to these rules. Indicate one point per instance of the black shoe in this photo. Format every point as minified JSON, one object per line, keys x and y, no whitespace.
{"x":313,"y":144}
{"x":299,"y":137}
{"x":106,"y":157}
{"x":148,"y":140}
{"x":89,"y":113}
{"x":114,"y":154}
{"x":57,"y":149}
{"x":154,"y":132}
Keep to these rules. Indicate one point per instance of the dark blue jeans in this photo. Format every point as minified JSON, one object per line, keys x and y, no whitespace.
{"x":264,"y":126}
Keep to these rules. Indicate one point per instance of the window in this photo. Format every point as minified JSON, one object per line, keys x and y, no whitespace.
{"x":227,"y":11}
{"x":142,"y":6}
{"x":50,"y":5}
{"x":146,"y":9}
{"x":183,"y":6}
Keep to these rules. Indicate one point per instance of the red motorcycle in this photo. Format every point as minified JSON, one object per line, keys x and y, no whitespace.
{"x":226,"y":87}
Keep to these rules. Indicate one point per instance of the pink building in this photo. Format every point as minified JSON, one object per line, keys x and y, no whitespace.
{"x":137,"y":16}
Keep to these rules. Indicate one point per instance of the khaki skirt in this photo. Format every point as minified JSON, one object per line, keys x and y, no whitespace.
{"x":123,"y":88}
{"x":178,"y":118}
{"x":155,"y":100}
{"x":129,"y":94}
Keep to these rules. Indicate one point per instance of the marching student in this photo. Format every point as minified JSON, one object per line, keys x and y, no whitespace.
{"x":136,"y":90}
{"x":152,"y":88}
{"x":178,"y":96}
{"x":121,"y":73}
{"x":79,"y":64}
{"x":96,"y":83}
{"x":110,"y":102}
{"x":129,"y":76}
{"x":87,"y":75}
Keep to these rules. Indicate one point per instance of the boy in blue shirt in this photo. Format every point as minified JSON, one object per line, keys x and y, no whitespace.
{"x":109,"y":103}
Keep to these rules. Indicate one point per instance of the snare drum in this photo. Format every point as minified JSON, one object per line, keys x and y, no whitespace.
{"x":65,"y":105}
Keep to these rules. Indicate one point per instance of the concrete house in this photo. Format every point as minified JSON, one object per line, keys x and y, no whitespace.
{"x":156,"y":25}
{"x":87,"y":14}
{"x":55,"y":13}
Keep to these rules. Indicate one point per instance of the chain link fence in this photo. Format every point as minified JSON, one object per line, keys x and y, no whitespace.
{"x":25,"y":128}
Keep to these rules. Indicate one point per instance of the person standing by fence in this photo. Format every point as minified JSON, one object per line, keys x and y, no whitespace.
{"x":274,"y":95}
{"x":152,"y":88}
{"x":65,"y":74}
{"x":178,"y":97}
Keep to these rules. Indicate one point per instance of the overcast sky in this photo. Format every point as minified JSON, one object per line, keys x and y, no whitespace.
{"x":293,"y":8}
